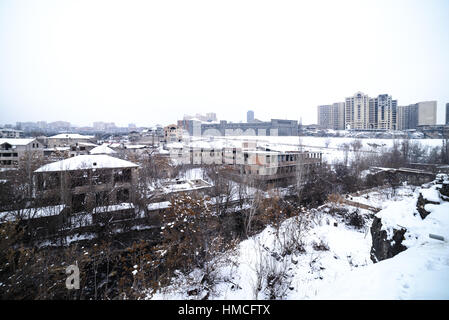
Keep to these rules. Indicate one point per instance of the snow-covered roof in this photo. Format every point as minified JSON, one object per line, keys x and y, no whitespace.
{"x":203,"y":144}
{"x":87,"y":162}
{"x":103,"y":149}
{"x":31,"y":213}
{"x":261,"y":152}
{"x":174,"y":145}
{"x":183,"y":185}
{"x":162,"y":151}
{"x":57,"y":149}
{"x":281,"y":147}
{"x":70,"y":136}
{"x":135,"y":146}
{"x":159,"y":205}
{"x":115,"y":207}
{"x":87,"y":144}
{"x":17,"y":142}
{"x":115,"y":145}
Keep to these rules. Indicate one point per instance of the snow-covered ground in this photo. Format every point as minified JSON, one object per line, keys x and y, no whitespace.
{"x":332,"y":142}
{"x":383,"y":197}
{"x":333,"y":148}
{"x":420,"y":272}
{"x":193,"y":174}
{"x":342,"y":271}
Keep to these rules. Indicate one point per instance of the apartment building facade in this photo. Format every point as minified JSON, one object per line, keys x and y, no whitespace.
{"x":418,"y":114}
{"x":248,"y":161}
{"x":447,"y":113}
{"x":382,"y":113}
{"x":11,"y":133}
{"x":357,"y":111}
{"x":173,"y":133}
{"x":332,"y":116}
{"x":67,"y":139}
{"x":427,"y":113}
{"x":87,"y":182}
{"x":14,"y":151}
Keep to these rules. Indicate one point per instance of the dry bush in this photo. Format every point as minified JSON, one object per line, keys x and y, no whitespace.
{"x":321,"y":246}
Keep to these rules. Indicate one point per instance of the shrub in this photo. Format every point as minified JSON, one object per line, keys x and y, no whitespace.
{"x":355,"y":219}
{"x":322,"y":246}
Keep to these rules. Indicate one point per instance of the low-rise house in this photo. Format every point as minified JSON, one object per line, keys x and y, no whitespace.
{"x":86,"y":182}
{"x":135,"y":149}
{"x":13,"y":151}
{"x":80,"y":148}
{"x":57,"y":153}
{"x":103,"y":149}
{"x":67,"y":139}
{"x":41,"y":221}
{"x":275,"y":165}
{"x":173,"y":133}
{"x":151,"y":136}
{"x":10,"y":133}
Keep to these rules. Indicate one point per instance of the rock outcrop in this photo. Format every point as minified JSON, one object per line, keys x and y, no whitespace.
{"x":382,"y":247}
{"x":420,"y":206}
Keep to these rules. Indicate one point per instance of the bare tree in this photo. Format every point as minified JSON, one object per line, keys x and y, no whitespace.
{"x":300,"y":170}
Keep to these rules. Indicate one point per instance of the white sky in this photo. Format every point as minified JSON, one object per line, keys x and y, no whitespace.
{"x":149,"y":62}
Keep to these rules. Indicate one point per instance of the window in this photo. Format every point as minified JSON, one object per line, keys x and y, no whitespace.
{"x":78,"y":202}
{"x":123,"y":175}
{"x":48,"y":181}
{"x":79,"y":178}
{"x":101,"y":177}
{"x":123,"y":195}
{"x":101,"y":199}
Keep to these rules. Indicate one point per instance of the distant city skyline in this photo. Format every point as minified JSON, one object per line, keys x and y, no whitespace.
{"x":93,"y":124}
{"x":151,"y":62}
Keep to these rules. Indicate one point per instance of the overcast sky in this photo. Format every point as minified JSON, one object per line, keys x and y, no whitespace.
{"x":149,"y":62}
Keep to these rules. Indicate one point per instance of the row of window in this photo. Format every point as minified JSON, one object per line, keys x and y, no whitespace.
{"x":13,"y":154}
{"x":51,"y":181}
{"x":102,"y":198}
{"x":8,"y":162}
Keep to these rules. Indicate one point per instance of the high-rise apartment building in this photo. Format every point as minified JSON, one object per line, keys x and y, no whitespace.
{"x":447,"y":113}
{"x":427,"y":113}
{"x":418,"y":114}
{"x":407,"y":117}
{"x":365,"y":113}
{"x":250,"y":116}
{"x":357,"y":111}
{"x":360,"y":112}
{"x":324,"y":116}
{"x":382,"y":112}
{"x":332,"y":116}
